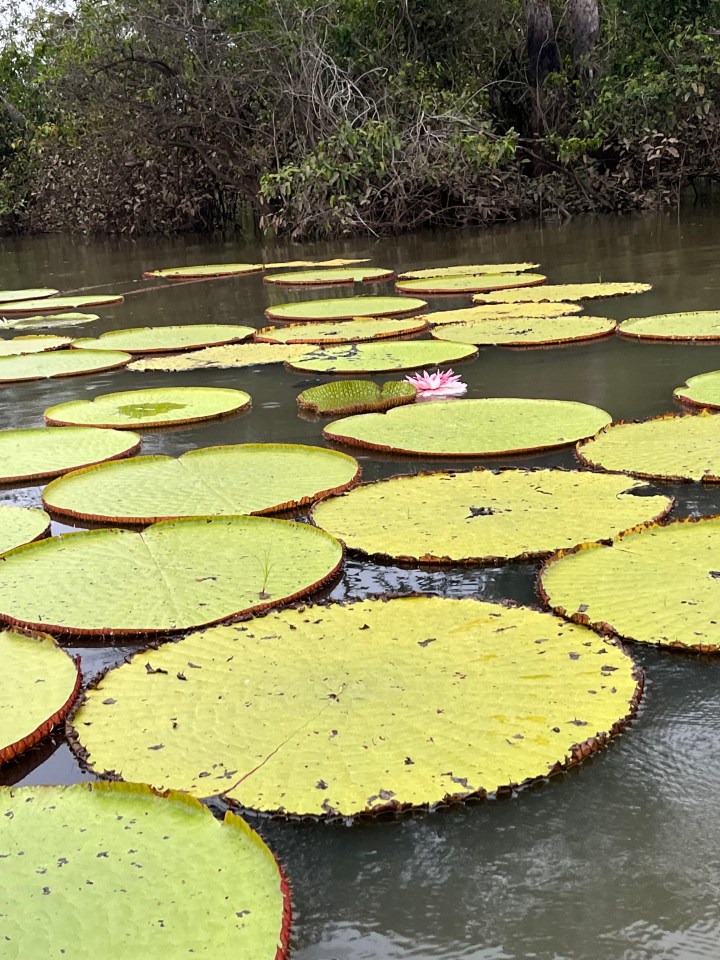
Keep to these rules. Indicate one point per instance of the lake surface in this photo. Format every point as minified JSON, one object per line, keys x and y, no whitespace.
{"x":619,"y":858}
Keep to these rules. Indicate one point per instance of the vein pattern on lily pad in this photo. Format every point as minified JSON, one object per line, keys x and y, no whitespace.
{"x":345,"y":308}
{"x":472,"y":428}
{"x":381,"y":357}
{"x":484,"y":516}
{"x":215,"y":481}
{"x":696,"y":325}
{"x":669,"y":447}
{"x":189,"y":336}
{"x":154,"y":407}
{"x":564,"y":292}
{"x":231,"y":356}
{"x":58,"y":304}
{"x":323,"y":276}
{"x":656,"y":584}
{"x":20,"y":525}
{"x":495,"y":310}
{"x":20,"y":346}
{"x":172,"y":576}
{"x":342,"y":331}
{"x":526,"y":331}
{"x":336,"y":709}
{"x":42,"y":684}
{"x":42,"y":452}
{"x":701,"y":391}
{"x":467,"y":269}
{"x":355,"y":396}
{"x":115,"y":870}
{"x":470,"y":284}
{"x":59,"y":363}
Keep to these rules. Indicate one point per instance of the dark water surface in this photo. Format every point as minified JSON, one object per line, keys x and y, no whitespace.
{"x":617,"y":859}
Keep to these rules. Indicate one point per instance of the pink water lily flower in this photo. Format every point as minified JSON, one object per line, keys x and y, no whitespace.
{"x":442,"y":383}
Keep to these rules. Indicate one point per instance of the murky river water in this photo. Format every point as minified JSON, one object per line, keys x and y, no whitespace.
{"x":617,"y":859}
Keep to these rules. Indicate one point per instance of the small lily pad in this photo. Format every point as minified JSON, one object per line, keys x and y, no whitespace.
{"x":381,"y":357}
{"x":205,"y":271}
{"x":155,"y":407}
{"x":58,"y":304}
{"x":342,"y":331}
{"x":345,"y":308}
{"x":701,"y":391}
{"x":325,"y":277}
{"x":563,"y":292}
{"x":467,"y":269}
{"x":696,"y":325}
{"x":43,"y":452}
{"x":469,"y":284}
{"x":526,"y":331}
{"x":169,"y":339}
{"x":59,"y":363}
{"x":20,"y":346}
{"x":355,"y":396}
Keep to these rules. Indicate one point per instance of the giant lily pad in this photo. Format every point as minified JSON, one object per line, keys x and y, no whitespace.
{"x":48,"y":322}
{"x":20,"y":525}
{"x":470,"y":284}
{"x":316,"y":264}
{"x":342,"y":331}
{"x":669,"y":447}
{"x":467,"y":269}
{"x":167,"y":339}
{"x":214,"y":481}
{"x":324,"y":277}
{"x":59,"y":363}
{"x":485,"y":517}
{"x":355,"y":396}
{"x":19,"y":346}
{"x":656,"y":584}
{"x":172,"y":576}
{"x":359,"y":708}
{"x":701,"y":391}
{"x":154,"y":407}
{"x":58,"y":304}
{"x":33,"y":293}
{"x":493,"y":311}
{"x":564,"y":292}
{"x":115,"y":870}
{"x":230,"y":356}
{"x":43,"y":452}
{"x":472,"y":428}
{"x":697,"y":325}
{"x":345,"y":308}
{"x":526,"y":331}
{"x":205,"y":271}
{"x":381,"y":357}
{"x":41,"y":684}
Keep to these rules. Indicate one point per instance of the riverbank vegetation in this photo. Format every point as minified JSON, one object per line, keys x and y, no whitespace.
{"x":323,"y":118}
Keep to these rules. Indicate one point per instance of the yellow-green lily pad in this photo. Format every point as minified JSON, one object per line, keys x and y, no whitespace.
{"x":205,"y":271}
{"x":154,"y":407}
{"x":20,"y":346}
{"x":470,"y":283}
{"x":59,"y":363}
{"x":657,"y":584}
{"x":669,"y":447}
{"x":248,"y":478}
{"x":325,"y":277}
{"x":230,"y":356}
{"x":41,"y":684}
{"x":344,"y":308}
{"x":471,"y":428}
{"x":116,"y":870}
{"x":342,"y":331}
{"x":495,"y":310}
{"x":381,"y":357}
{"x":695,"y":325}
{"x":563,"y":292}
{"x":169,"y":339}
{"x":485,"y":516}
{"x":353,"y":709}
{"x":467,"y":269}
{"x":43,"y":452}
{"x":48,"y":322}
{"x":341,"y":397}
{"x":701,"y":391}
{"x":316,"y":264}
{"x":526,"y":331}
{"x":20,"y":525}
{"x":32,"y":293}
{"x":58,"y":304}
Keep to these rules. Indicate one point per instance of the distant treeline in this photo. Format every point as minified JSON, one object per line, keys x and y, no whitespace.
{"x":325,"y":118}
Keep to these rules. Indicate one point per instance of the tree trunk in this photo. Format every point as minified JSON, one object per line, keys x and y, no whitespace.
{"x":541,"y":45}
{"x":584,"y":29}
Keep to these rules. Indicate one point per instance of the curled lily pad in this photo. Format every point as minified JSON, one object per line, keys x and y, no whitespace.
{"x":696,"y":325}
{"x":381,"y":357}
{"x":484,"y":516}
{"x":342,"y":331}
{"x":49,"y":322}
{"x":356,"y":396}
{"x":205,"y":271}
{"x":33,"y":293}
{"x":493,"y":311}
{"x":226,"y":357}
{"x":655,"y":584}
{"x":345,"y":308}
{"x":42,"y":682}
{"x":470,"y":283}
{"x":472,"y":428}
{"x":43,"y":452}
{"x":213,"y":481}
{"x":189,"y":336}
{"x":155,"y":407}
{"x":20,"y":525}
{"x":563,"y":292}
{"x":407,"y":702}
{"x":467,"y":269}
{"x":58,"y":304}
{"x":324,"y":277}
{"x":669,"y":447}
{"x":171,"y":576}
{"x":42,"y":343}
{"x":701,"y":391}
{"x":526,"y":331}
{"x":59,"y":363}
{"x":115,"y":870}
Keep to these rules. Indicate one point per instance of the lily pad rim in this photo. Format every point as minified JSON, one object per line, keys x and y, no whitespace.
{"x":623,"y":331}
{"x":425,"y":288}
{"x":383,"y":275}
{"x":115,"y":365}
{"x":689,"y":401}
